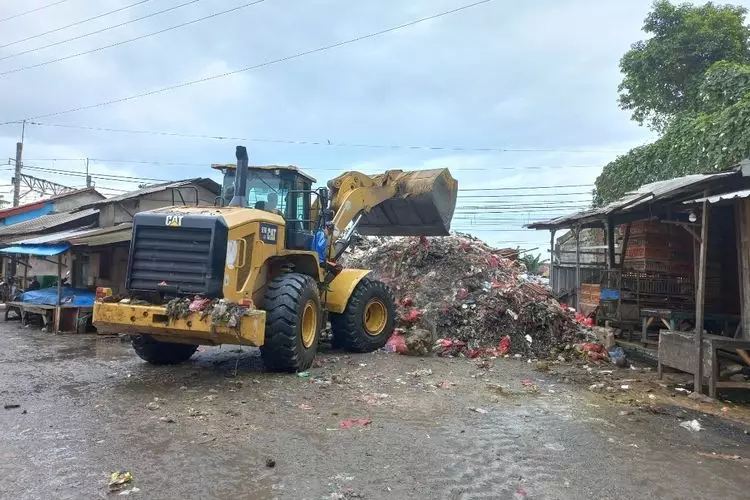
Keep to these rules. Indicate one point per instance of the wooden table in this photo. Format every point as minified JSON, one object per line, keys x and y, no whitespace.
{"x":677,"y":350}
{"x":72,"y":319}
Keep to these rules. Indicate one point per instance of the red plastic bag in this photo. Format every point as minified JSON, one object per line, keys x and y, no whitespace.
{"x":351,"y":422}
{"x":407,"y":301}
{"x":462,"y":294}
{"x":411,"y":316}
{"x":504,"y":346}
{"x":493,"y":261}
{"x":397,"y":343}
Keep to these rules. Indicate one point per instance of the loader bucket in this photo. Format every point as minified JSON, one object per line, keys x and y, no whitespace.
{"x":423,"y":206}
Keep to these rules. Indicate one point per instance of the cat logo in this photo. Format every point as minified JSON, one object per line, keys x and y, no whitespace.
{"x":173,"y":220}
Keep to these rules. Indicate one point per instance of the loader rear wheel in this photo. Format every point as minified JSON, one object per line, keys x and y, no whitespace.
{"x":368,"y":320}
{"x":293,"y":323}
{"x":157,"y":352}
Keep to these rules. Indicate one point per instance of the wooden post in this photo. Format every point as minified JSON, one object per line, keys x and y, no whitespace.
{"x":552,"y":260}
{"x":743,"y":254}
{"x":700,"y":299}
{"x":624,"y":249}
{"x":578,"y":267}
{"x":58,"y":309}
{"x":610,"y":229}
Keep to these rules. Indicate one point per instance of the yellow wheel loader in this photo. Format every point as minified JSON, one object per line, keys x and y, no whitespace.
{"x":261,"y":267}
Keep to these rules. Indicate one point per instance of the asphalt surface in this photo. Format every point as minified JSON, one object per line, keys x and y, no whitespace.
{"x":220,"y":427}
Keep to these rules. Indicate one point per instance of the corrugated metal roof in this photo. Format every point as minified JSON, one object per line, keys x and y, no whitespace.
{"x":645,"y":194}
{"x":104,"y":236}
{"x":743,"y":193}
{"x":58,"y":237}
{"x":45,"y":222}
{"x":209,"y":184}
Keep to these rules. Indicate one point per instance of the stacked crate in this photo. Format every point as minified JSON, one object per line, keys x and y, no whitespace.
{"x":658,"y":265}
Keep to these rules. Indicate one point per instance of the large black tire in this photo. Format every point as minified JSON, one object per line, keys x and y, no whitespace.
{"x":349,"y":328}
{"x":157,"y":352}
{"x":291,"y":334}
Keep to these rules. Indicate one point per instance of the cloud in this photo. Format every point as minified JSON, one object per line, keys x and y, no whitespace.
{"x":528,"y":75}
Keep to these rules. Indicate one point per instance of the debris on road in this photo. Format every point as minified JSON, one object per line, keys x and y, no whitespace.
{"x":153,"y":405}
{"x":374,"y":399}
{"x":470,"y":295}
{"x":351,"y":422}
{"x":719,"y":456}
{"x":270,"y":463}
{"x":119,"y":479}
{"x":167,"y":420}
{"x":303,"y":374}
{"x":305,"y":406}
{"x":479,"y":410}
{"x":421,"y":373}
{"x":691,"y":425}
{"x":11,"y":406}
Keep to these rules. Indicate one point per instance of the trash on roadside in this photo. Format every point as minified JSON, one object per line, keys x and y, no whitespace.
{"x":153,"y":405}
{"x":134,"y":489}
{"x":351,"y":422}
{"x":167,"y":420}
{"x":719,"y":456}
{"x":305,"y":406}
{"x":11,"y":406}
{"x":270,"y":463}
{"x":374,"y":399}
{"x":691,"y":425}
{"x":470,"y":294}
{"x":479,"y":410}
{"x":118,"y":479}
{"x":303,"y":374}
{"x":617,"y":356}
{"x":421,"y":373}
{"x":444,"y":385}
{"x":396,"y":343}
{"x":541,"y":366}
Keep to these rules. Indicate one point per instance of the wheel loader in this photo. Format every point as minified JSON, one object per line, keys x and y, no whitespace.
{"x":254,"y":255}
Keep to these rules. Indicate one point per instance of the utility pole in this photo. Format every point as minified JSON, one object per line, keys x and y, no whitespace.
{"x":19,"y":165}
{"x":88,"y":177}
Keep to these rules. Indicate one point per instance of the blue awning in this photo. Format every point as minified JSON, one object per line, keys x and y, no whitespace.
{"x":37,"y":249}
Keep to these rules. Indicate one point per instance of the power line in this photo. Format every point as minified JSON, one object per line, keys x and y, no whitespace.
{"x":520,"y":195}
{"x":263,"y":64}
{"x":531,"y":187}
{"x":77,"y":173}
{"x":77,"y":23}
{"x":327,"y":143}
{"x":37,"y":9}
{"x":123,"y":42}
{"x":102,"y":30}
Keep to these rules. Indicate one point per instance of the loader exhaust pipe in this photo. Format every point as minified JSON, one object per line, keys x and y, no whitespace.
{"x":240,"y":179}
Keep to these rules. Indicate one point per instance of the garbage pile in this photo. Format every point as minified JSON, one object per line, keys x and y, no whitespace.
{"x":472,"y":296}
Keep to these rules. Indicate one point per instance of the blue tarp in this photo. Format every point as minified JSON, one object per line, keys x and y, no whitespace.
{"x":37,"y":249}
{"x":70,"y":296}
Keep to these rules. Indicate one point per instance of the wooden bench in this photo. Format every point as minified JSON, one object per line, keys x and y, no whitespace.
{"x":678,"y":350}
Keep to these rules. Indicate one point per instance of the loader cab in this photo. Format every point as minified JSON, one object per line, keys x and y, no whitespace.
{"x":284,"y":190}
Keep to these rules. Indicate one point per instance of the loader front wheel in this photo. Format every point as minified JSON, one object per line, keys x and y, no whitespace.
{"x":368,"y":320}
{"x":162,"y":353}
{"x":293,"y":323}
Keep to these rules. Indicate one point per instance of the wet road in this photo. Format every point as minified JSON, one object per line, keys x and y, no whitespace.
{"x":206,"y":429}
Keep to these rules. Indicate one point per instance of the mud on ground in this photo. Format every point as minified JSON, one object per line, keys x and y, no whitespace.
{"x":219,"y":427}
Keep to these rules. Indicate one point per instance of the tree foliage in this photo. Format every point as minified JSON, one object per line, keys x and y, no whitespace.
{"x":533,"y":263}
{"x":662,"y":75}
{"x":712,"y":138}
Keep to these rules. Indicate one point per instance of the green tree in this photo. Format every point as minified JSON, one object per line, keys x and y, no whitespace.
{"x":533,"y":263}
{"x":662,"y":74}
{"x":714,"y":138}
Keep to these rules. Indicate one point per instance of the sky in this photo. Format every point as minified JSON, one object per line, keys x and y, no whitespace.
{"x":520,"y":95}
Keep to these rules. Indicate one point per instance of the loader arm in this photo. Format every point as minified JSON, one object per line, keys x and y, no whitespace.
{"x":395,"y":203}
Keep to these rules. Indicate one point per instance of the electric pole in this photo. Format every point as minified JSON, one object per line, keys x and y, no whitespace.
{"x":19,"y":165}
{"x":88,"y":177}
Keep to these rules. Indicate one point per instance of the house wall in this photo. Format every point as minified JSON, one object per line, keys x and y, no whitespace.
{"x":107,"y":266}
{"x":72,"y":202}
{"x":31,"y":214}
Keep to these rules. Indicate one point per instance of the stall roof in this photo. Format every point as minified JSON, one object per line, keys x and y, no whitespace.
{"x":640,"y":198}
{"x":82,"y":237}
{"x":742,"y":193}
{"x":45,"y":250}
